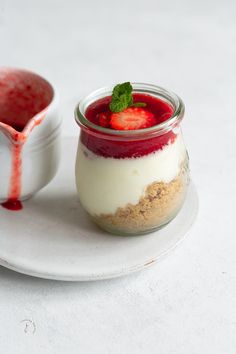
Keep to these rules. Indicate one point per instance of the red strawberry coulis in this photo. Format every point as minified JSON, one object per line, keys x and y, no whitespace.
{"x":100,"y":114}
{"x":24,"y":97}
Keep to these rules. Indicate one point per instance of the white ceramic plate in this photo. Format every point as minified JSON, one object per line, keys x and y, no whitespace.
{"x":53,"y":238}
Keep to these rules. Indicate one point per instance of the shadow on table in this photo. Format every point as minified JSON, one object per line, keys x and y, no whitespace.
{"x":64,"y":209}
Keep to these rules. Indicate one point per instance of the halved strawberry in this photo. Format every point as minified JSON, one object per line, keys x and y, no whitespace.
{"x":132,"y":118}
{"x":104,"y":119}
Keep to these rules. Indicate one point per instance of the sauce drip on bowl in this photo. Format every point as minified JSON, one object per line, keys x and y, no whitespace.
{"x":24,"y":98}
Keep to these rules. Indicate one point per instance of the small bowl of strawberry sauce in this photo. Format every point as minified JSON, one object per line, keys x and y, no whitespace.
{"x":132,"y":169}
{"x":29,"y":135}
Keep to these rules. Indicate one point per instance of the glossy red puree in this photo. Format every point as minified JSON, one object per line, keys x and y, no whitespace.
{"x":22,"y":96}
{"x":121,"y":149}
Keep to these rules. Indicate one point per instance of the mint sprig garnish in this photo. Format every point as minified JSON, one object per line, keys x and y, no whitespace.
{"x":122,"y":98}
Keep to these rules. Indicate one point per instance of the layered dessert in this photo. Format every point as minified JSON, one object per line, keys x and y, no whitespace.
{"x":132,"y":165}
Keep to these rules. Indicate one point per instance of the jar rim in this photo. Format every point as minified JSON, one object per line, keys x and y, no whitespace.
{"x":170,"y":97}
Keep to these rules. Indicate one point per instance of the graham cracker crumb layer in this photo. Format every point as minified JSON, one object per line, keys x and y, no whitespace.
{"x":158,"y":206}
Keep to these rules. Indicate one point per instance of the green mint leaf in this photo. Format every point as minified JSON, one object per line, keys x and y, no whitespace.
{"x":122,"y":98}
{"x":120,"y":89}
{"x":139,"y":104}
{"x":117,"y":106}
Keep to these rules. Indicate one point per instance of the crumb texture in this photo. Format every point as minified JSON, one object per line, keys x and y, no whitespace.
{"x":158,"y":206}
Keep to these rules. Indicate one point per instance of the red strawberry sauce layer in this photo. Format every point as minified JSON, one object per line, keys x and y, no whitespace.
{"x":122,"y":149}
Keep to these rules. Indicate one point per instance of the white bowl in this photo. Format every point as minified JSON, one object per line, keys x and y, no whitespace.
{"x":40,"y":138}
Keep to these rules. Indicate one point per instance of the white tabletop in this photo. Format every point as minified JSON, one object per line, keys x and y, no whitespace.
{"x":187,"y":303}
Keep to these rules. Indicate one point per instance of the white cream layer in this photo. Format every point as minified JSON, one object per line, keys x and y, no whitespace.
{"x":105,"y":183}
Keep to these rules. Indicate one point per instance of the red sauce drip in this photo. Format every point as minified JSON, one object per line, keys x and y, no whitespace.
{"x":14,"y":193}
{"x":13,"y":205}
{"x":122,"y":149}
{"x":22,"y":96}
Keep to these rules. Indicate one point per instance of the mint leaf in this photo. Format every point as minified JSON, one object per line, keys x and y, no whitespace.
{"x":125,"y":88}
{"x":117,"y":106}
{"x":122,"y":98}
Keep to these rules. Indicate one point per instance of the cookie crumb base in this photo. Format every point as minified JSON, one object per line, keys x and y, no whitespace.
{"x":160,"y":204}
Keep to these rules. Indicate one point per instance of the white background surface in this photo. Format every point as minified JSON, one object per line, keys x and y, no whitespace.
{"x":187,"y":303}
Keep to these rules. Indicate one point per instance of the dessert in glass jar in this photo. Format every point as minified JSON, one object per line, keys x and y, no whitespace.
{"x":132,"y":165}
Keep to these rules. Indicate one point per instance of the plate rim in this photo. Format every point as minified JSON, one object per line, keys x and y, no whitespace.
{"x":114,"y":274}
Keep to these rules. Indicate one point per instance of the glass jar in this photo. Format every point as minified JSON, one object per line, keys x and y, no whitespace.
{"x":132,"y":181}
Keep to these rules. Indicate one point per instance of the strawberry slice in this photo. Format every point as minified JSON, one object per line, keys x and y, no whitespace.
{"x":104,"y":119}
{"x":132,"y":118}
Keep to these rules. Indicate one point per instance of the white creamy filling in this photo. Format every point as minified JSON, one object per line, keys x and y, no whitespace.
{"x":105,"y":183}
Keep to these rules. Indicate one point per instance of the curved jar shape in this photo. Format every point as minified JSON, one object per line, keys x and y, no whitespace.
{"x":132,"y":182}
{"x":29,"y":134}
